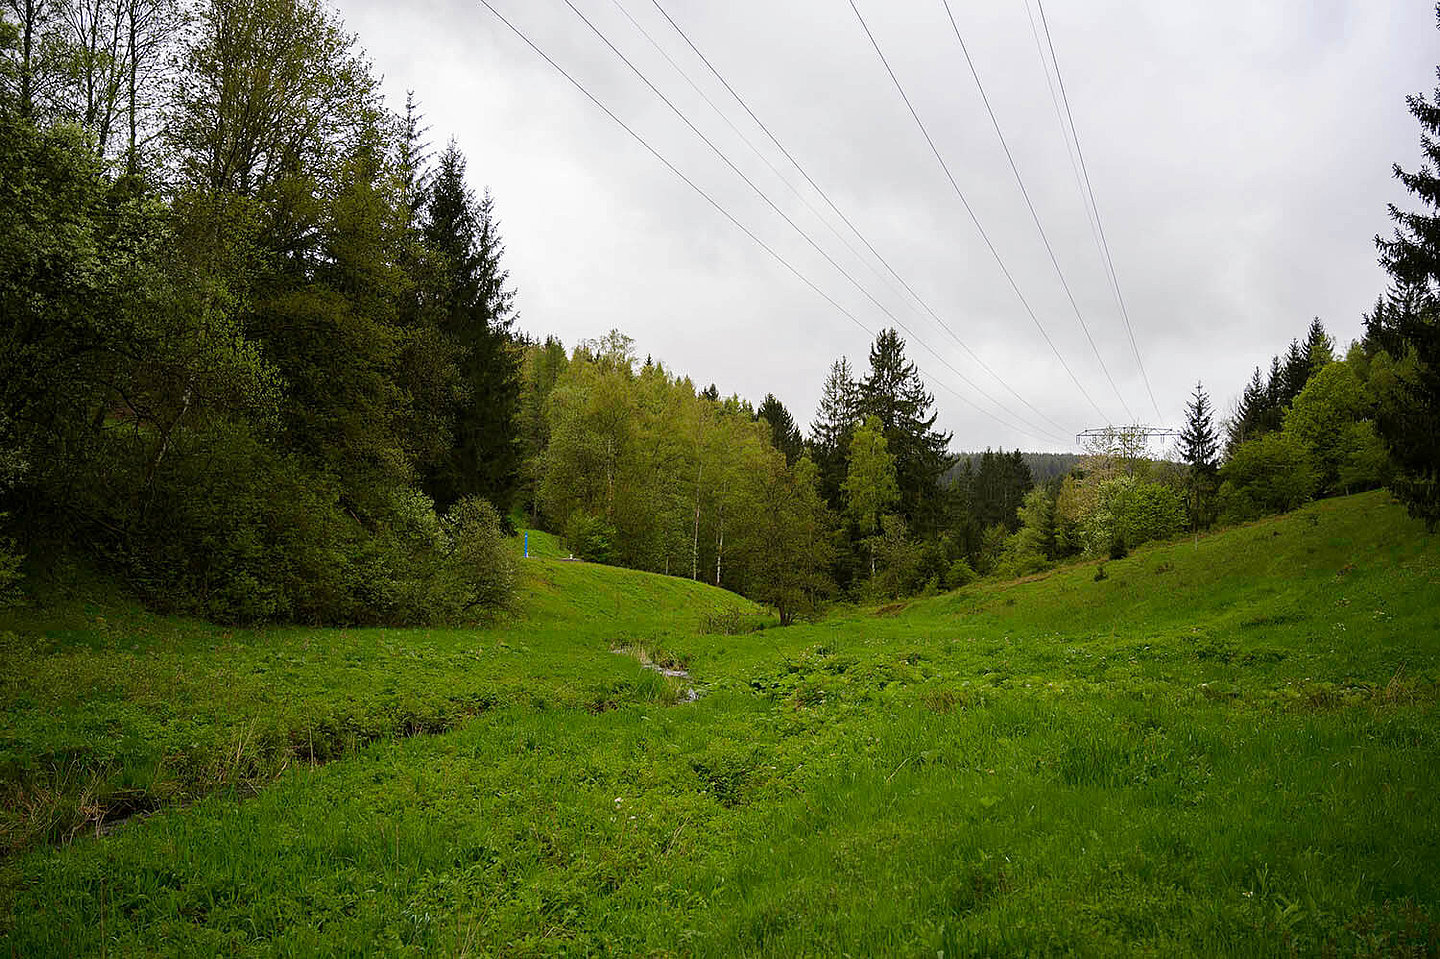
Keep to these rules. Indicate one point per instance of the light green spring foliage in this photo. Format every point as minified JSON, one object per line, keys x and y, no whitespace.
{"x":1270,"y":474}
{"x":1216,"y":750}
{"x":1094,"y":516}
{"x":1132,"y":512}
{"x":1327,"y":445}
{"x":870,"y":487}
{"x":1331,"y":418}
{"x":642,"y":471}
{"x":785,"y":537}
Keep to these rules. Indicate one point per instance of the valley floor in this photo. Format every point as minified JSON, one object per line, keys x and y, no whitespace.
{"x":1222,"y":747}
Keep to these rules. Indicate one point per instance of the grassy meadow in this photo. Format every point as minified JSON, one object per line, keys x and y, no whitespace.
{"x":1228,"y":746}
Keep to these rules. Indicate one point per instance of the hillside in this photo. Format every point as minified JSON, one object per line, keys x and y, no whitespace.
{"x":109,"y":710}
{"x":1221,"y":747}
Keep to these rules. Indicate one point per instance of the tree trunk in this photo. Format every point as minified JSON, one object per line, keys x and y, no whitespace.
{"x":720,"y":545}
{"x":695,"y":542}
{"x":132,"y":161}
{"x":27,"y":59}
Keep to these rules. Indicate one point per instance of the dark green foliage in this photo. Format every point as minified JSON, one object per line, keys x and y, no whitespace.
{"x":227,"y":391}
{"x":1044,"y":467}
{"x":784,"y":434}
{"x":1264,"y":401}
{"x":1251,"y":418}
{"x":830,"y":433}
{"x":1199,"y":448}
{"x":998,"y":487}
{"x":1294,"y":373}
{"x":1411,"y":428}
{"x":1200,"y":451}
{"x":893,"y":392}
{"x":473,"y":305}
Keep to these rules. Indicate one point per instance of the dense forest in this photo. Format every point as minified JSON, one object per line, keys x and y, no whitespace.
{"x":259,"y":359}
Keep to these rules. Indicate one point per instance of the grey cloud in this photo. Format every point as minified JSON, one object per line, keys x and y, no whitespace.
{"x":1240,"y":153}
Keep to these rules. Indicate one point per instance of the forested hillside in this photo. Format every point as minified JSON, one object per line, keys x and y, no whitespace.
{"x":257,"y":354}
{"x":260,"y":360}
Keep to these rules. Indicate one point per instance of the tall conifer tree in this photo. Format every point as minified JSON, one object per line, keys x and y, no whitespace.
{"x":1200,"y":448}
{"x":784,"y":434}
{"x":476,"y":311}
{"x":832,"y":428}
{"x":894,"y":393}
{"x":1412,"y":257}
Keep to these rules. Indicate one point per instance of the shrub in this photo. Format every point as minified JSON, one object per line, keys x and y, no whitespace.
{"x":1118,"y":549}
{"x":1128,"y":513}
{"x":959,"y":574}
{"x":590,"y":538}
{"x":228,"y":528}
{"x":1019,"y":562}
{"x":478,"y":556}
{"x":899,"y":569}
{"x":1272,"y":473}
{"x":10,"y":560}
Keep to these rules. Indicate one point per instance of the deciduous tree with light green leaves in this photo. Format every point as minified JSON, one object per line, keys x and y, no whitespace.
{"x":1331,"y":417}
{"x":870,"y":488}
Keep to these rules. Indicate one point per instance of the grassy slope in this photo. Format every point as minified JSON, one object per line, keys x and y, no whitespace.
{"x":109,"y":710}
{"x":1228,"y":749}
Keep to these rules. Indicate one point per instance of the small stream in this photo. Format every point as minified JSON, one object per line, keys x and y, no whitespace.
{"x":688,"y":695}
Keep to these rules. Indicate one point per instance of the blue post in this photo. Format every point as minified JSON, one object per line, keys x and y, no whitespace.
{"x":527,"y":544}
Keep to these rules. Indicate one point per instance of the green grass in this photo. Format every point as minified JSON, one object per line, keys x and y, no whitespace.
{"x":1225,"y":749}
{"x":542,"y":545}
{"x":109,"y":710}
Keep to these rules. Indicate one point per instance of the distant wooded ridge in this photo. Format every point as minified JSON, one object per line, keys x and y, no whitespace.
{"x":1043,"y":466}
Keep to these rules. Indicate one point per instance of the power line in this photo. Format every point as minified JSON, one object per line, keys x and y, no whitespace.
{"x":1014,"y":168}
{"x":724,"y":212}
{"x":773,"y":206}
{"x":1105,"y":244}
{"x":973,"y":218}
{"x":845,"y":219}
{"x":1065,"y":135}
{"x":747,"y":141}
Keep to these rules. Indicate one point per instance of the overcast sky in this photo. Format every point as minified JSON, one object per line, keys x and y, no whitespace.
{"x":1240,"y":154}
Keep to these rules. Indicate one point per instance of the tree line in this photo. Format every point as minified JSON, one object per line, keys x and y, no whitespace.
{"x":257,"y":351}
{"x":259,"y":357}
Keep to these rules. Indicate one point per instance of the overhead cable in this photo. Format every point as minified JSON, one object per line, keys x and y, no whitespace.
{"x":1105,"y":244}
{"x":764,"y":197}
{"x":1035,"y":216}
{"x":846,"y":220}
{"x":726,"y":213}
{"x":974,"y":219}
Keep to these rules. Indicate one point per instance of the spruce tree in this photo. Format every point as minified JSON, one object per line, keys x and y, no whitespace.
{"x":1254,"y":402}
{"x":1412,"y":257}
{"x":475,"y":303}
{"x":1199,"y":448}
{"x":1319,"y":348}
{"x":1295,"y":373}
{"x":412,"y":161}
{"x":999,"y":488}
{"x":1198,"y":445}
{"x":832,"y":428}
{"x":784,"y":434}
{"x":895,"y":395}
